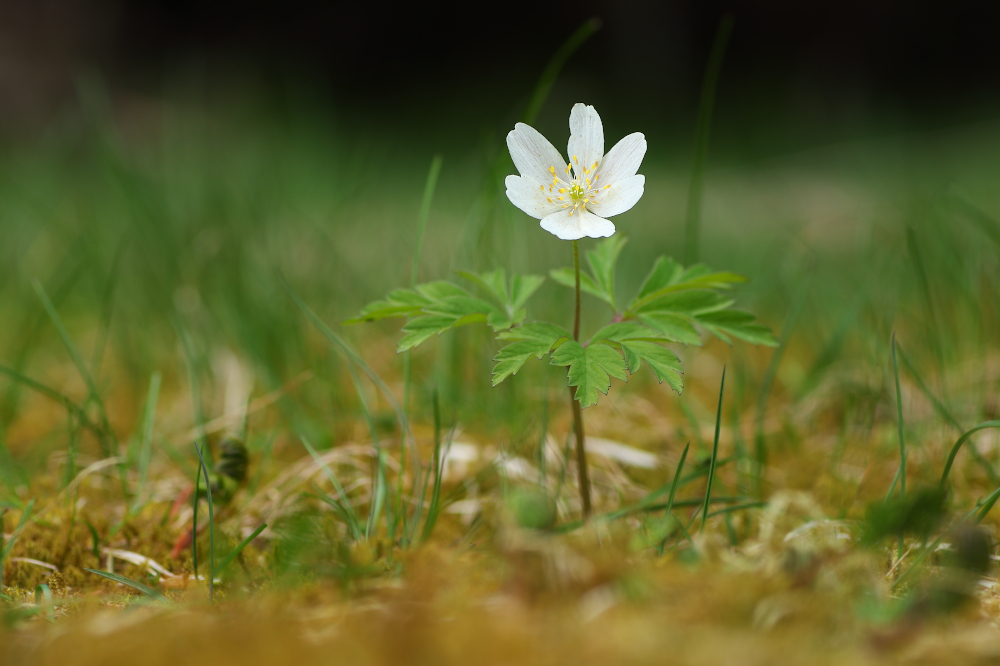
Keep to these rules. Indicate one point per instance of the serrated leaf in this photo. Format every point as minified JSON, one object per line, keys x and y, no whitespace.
{"x":512,"y":300}
{"x":689,"y":302}
{"x":567,"y":278}
{"x":398,"y":303}
{"x":668,"y":277}
{"x":673,"y":327}
{"x":522,"y":288}
{"x":510,"y":358}
{"x":435,"y":291}
{"x":421,"y":329}
{"x":602,"y":260}
{"x":739,"y":324}
{"x":494,"y":282}
{"x":534,"y":339}
{"x":663,"y":362}
{"x":536,"y":330}
{"x":460,"y":306}
{"x":626,"y":330}
{"x":590,"y":368}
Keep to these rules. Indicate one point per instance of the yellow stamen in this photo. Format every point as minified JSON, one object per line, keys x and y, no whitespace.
{"x":574,"y":160}
{"x":552,"y":170}
{"x":562,"y":190}
{"x":550,"y":199}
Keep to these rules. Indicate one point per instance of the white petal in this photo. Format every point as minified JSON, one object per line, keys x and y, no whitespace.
{"x":532,"y":153}
{"x":574,"y":226}
{"x":586,"y":138}
{"x":620,"y":197}
{"x":623,"y":160}
{"x":530,"y":196}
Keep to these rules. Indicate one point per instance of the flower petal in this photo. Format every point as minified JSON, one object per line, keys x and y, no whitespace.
{"x":569,"y":225}
{"x":623,"y":160}
{"x":533,"y":154}
{"x":620,"y":197}
{"x":530,"y":196}
{"x":586,"y":138}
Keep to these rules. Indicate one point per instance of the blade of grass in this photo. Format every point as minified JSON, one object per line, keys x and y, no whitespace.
{"x":107,"y":307}
{"x":6,"y":548}
{"x":767,"y":382}
{"x":432,"y":511}
{"x":108,"y":442}
{"x":341,"y":345}
{"x":54,"y":395}
{"x":146,"y":449}
{"x":203,"y":469}
{"x":425,"y":208}
{"x":899,"y":423}
{"x":946,"y":415}
{"x":135,"y":585}
{"x":702,"y":130}
{"x":43,"y":597}
{"x":958,"y":445}
{"x":554,"y":66}
{"x":738,"y":507}
{"x":376,"y":444}
{"x":192,"y":366}
{"x":715,"y":455}
{"x":899,"y":428}
{"x":239,"y":549}
{"x":342,"y":501}
{"x":925,"y":294}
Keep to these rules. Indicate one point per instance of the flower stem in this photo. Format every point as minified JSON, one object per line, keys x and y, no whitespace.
{"x":581,"y":453}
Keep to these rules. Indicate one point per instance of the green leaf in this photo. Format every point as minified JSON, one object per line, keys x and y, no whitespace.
{"x":536,"y":330}
{"x":602,"y":260}
{"x":626,"y":330}
{"x":567,"y":278}
{"x":739,"y":324}
{"x":673,"y":327}
{"x":535,"y":339}
{"x":668,"y":276}
{"x":421,"y":329}
{"x":133,"y":584}
{"x":522,"y":288}
{"x":663,"y":362}
{"x":590,"y":368}
{"x":399,"y":303}
{"x":511,"y":300}
{"x":435,"y":291}
{"x":691,"y":301}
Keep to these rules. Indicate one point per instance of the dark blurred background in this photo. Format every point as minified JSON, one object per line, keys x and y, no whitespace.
{"x":822,"y":70}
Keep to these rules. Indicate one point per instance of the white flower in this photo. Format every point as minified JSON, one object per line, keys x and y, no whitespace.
{"x":574,"y":205}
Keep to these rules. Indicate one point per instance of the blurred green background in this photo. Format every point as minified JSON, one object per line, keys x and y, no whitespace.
{"x":162,"y":166}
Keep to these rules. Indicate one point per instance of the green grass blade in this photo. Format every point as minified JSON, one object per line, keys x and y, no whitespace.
{"x":946,"y":415}
{"x":6,"y":548}
{"x":108,"y":443}
{"x":203,"y":469}
{"x":54,"y":395}
{"x":43,"y":597}
{"x":958,"y":445}
{"x":676,"y":481}
{"x":146,"y":448}
{"x":554,"y":66}
{"x":434,"y":508}
{"x":702,"y":130}
{"x":756,"y":504}
{"x":239,"y":549}
{"x":194,"y":385}
{"x":767,"y":382}
{"x":899,"y":423}
{"x":135,"y":585}
{"x":715,"y":455}
{"x":342,"y":501}
{"x":425,"y":208}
